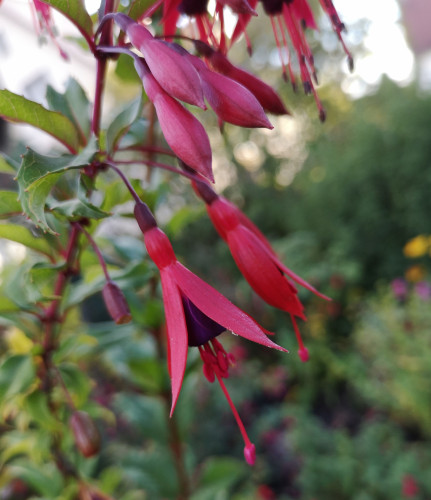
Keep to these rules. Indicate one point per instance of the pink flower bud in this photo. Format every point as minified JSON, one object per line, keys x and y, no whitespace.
{"x":232,"y":102}
{"x":116,"y":303}
{"x":265,"y":94}
{"x":182,"y":131}
{"x":87,"y":437}
{"x":174,"y":73}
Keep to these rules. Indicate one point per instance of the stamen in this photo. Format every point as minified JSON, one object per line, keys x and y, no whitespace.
{"x":289,"y":57}
{"x":279,"y":47}
{"x":249,"y":449}
{"x":302,"y":351}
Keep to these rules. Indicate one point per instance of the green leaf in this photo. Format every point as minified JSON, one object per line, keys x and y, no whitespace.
{"x":75,"y":11}
{"x":22,"y":235}
{"x":16,"y":375}
{"x":79,"y":207}
{"x":76,"y":381}
{"x":45,"y":479}
{"x":36,"y":405}
{"x":42,"y":276}
{"x":39,"y":173}
{"x":125,"y":70}
{"x":138,"y":7}
{"x":148,"y":373}
{"x":17,"y":108}
{"x":7,"y":305}
{"x":183,"y":217}
{"x":147,"y":414}
{"x":9,"y":203}
{"x":122,"y":122}
{"x":7,"y":165}
{"x":73,"y":104}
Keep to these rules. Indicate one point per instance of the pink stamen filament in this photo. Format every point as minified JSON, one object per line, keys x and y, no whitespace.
{"x":289,"y":55}
{"x":210,"y":354}
{"x":277,"y":41}
{"x":302,"y":351}
{"x":245,"y":437}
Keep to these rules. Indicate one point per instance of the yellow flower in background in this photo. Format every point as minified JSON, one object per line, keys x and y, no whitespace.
{"x":417,"y":247}
{"x":17,"y":341}
{"x":415,"y":274}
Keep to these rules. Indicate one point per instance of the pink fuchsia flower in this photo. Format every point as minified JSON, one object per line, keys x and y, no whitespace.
{"x":116,"y":303}
{"x":266,"y":95}
{"x":256,"y":259}
{"x":195,"y":315}
{"x":182,"y":131}
{"x":293,"y":17}
{"x":43,"y":22}
{"x":232,"y":102}
{"x":198,"y":9}
{"x":175,"y":74}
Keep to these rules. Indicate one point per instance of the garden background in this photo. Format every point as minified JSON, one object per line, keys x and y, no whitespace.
{"x":347,"y":206}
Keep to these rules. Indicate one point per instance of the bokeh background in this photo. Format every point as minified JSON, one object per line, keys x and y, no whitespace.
{"x":347,"y":205}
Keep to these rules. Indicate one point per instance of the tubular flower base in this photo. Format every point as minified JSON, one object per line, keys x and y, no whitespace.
{"x":195,"y":315}
{"x":256,"y":259}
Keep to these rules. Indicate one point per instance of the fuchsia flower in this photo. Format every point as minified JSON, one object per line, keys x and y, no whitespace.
{"x":268,"y":98}
{"x":256,"y":260}
{"x":232,"y":102}
{"x":195,"y":315}
{"x":293,"y":17}
{"x":182,"y":131}
{"x":175,"y":74}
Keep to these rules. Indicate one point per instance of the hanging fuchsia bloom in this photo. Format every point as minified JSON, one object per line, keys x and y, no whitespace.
{"x":182,"y":131}
{"x":268,"y":98}
{"x":175,"y":74}
{"x":232,"y":102}
{"x":198,"y":10}
{"x":43,"y":22}
{"x":293,"y":17}
{"x":256,"y":260}
{"x":195,"y":315}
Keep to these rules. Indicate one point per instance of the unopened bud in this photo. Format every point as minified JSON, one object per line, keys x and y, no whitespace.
{"x":116,"y":303}
{"x":144,"y":217}
{"x":87,"y":437}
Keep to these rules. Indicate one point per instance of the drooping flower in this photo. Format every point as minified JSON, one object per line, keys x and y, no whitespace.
{"x":195,"y":315}
{"x":232,"y":102}
{"x":292,"y":18}
{"x":265,"y":94}
{"x":198,"y":10}
{"x":183,"y":132}
{"x":256,"y":259}
{"x":175,"y":74}
{"x":85,"y":433}
{"x":116,"y":303}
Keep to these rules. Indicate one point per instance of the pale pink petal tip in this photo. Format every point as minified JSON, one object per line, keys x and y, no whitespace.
{"x":250,"y":453}
{"x":303,"y":354}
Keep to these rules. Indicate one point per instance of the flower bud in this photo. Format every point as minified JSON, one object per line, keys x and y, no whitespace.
{"x":116,"y":303}
{"x":87,"y":437}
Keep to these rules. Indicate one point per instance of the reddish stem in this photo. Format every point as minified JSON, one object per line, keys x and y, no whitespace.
{"x":96,"y":250}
